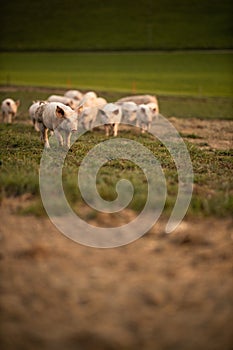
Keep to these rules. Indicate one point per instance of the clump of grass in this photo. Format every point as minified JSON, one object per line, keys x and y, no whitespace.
{"x":190,"y":136}
{"x":34,"y":208}
{"x":219,"y":205}
{"x":18,"y":183}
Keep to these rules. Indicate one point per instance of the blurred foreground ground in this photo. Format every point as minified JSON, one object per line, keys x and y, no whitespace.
{"x":160,"y":292}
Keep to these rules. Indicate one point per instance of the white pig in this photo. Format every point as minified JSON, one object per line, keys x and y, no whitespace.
{"x":89,"y":99}
{"x":32,"y":113}
{"x":62,"y":99}
{"x":59,"y":118}
{"x":88,"y":117}
{"x":154,"y":109}
{"x":140,"y":99}
{"x":144,"y":117}
{"x":129,"y":111}
{"x":111,"y":115}
{"x":9,"y":109}
{"x":75,"y":94}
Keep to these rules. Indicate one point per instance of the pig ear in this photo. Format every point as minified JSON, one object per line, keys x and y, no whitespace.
{"x":17,"y":103}
{"x":116,"y":112}
{"x":60,"y":112}
{"x":79,"y":109}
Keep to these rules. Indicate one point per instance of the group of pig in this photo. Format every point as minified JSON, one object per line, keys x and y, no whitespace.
{"x":63,"y":114}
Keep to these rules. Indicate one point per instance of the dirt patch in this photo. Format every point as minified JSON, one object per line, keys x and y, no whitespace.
{"x":160,"y":292}
{"x":215,"y":134}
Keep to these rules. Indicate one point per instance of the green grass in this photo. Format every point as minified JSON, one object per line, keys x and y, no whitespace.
{"x":115,"y":24}
{"x":21,"y":150}
{"x":176,"y":74}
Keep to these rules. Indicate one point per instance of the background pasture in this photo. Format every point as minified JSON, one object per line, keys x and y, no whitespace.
{"x":115,"y":25}
{"x":184,"y":74}
{"x":193,"y":84}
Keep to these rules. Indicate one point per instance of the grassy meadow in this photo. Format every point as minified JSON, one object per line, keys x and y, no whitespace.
{"x":21,"y":150}
{"x":187,"y":85}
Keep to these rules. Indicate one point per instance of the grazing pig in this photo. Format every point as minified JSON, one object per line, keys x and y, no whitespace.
{"x":100,"y":102}
{"x":129,"y":111}
{"x":140,"y":99}
{"x":144,"y":117}
{"x":74,"y":94}
{"x":88,"y":117}
{"x":89,"y":99}
{"x":32,"y":113}
{"x":62,"y":99}
{"x":89,"y":114}
{"x":90,"y":95}
{"x":111,"y":117}
{"x":59,"y":118}
{"x":9,"y":109}
{"x":154,"y":109}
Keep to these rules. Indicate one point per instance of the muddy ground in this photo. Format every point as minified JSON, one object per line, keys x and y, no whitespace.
{"x":160,"y":292}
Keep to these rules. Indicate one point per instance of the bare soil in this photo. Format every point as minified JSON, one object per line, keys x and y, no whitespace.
{"x":215,"y":134}
{"x":163,"y":291}
{"x":160,"y":292}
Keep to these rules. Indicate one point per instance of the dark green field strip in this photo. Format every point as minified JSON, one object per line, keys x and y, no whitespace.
{"x":115,"y":24}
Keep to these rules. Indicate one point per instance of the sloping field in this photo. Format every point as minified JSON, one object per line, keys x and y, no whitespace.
{"x":185,"y":74}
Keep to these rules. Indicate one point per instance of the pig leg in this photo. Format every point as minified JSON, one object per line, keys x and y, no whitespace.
{"x":46,"y":140}
{"x":9,"y":118}
{"x":115,"y":129}
{"x":44,"y":135}
{"x":106,"y":127}
{"x":67,"y":139}
{"x":143,"y":128}
{"x":35,"y":124}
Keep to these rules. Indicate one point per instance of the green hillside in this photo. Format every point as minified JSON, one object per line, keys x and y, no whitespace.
{"x":184,"y":74}
{"x":115,"y":24}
